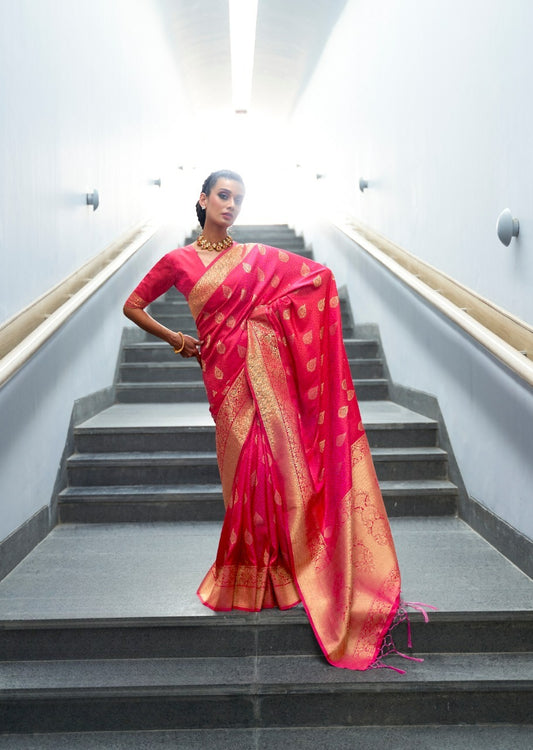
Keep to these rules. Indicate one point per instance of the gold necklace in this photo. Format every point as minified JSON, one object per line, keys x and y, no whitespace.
{"x":216,"y":246}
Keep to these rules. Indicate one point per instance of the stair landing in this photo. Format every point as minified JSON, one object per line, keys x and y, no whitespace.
{"x":87,"y":572}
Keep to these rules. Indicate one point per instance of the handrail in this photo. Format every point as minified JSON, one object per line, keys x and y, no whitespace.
{"x":23,"y":334}
{"x":507,"y":337}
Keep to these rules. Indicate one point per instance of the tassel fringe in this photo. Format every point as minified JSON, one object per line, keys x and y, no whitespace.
{"x":388,"y":647}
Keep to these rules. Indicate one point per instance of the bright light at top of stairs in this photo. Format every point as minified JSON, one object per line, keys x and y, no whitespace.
{"x":242,"y":24}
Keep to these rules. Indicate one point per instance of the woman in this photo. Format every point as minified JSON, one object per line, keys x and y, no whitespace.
{"x":305,"y":519}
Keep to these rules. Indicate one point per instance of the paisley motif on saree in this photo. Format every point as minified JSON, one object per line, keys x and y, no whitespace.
{"x":305,"y":519}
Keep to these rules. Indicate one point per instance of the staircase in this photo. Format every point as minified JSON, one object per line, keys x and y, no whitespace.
{"x":102,"y":636}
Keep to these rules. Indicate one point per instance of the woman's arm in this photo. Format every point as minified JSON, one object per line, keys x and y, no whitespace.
{"x":175,"y":338}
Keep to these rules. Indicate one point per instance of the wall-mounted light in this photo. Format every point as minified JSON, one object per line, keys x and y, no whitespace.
{"x":363,"y":184}
{"x":93,"y":199}
{"x":157,"y":182}
{"x":507,"y":227}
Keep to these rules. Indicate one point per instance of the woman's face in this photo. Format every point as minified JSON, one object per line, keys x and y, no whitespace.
{"x":223,"y":204}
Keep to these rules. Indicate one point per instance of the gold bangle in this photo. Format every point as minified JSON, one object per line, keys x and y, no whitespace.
{"x":177,"y":351}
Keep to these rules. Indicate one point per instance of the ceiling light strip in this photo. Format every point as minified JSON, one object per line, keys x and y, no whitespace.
{"x":242,"y":25}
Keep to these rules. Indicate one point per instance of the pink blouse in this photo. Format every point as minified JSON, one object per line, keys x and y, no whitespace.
{"x":180,"y":268}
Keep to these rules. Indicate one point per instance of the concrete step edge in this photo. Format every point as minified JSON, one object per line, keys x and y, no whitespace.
{"x":264,"y":674}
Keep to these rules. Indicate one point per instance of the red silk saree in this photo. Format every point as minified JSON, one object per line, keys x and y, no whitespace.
{"x":304,"y":519}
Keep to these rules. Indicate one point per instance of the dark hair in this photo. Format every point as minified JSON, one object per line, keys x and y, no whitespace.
{"x":209,"y":183}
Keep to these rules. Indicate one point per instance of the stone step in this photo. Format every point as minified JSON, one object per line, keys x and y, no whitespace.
{"x":158,"y":351}
{"x":87,"y":641}
{"x":459,"y":737}
{"x":172,"y":300}
{"x":190,"y":330}
{"x":290,"y":691}
{"x":181,"y":370}
{"x":187,"y":467}
{"x":368,"y":389}
{"x":88,"y":591}
{"x":234,"y":634}
{"x":283,"y":238}
{"x":142,"y":437}
{"x":179,"y":320}
{"x":158,"y":503}
{"x":178,"y":370}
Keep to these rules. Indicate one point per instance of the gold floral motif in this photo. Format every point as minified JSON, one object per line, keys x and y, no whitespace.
{"x":317,"y":281}
{"x":221,"y":347}
{"x":227,"y":291}
{"x":302,"y":311}
{"x":305,"y":270}
{"x":308,"y":337}
{"x":260,"y":274}
{"x":312,"y":393}
{"x":230,"y":322}
{"x":334,"y":301}
{"x":287,"y":314}
{"x":275,"y":281}
{"x":343,"y":412}
{"x":321,"y":304}
{"x":247,"y":267}
{"x":284,"y":258}
{"x":218,"y":373}
{"x":311,"y":365}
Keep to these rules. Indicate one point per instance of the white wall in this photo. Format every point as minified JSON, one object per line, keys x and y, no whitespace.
{"x":429,"y":101}
{"x":36,"y":404}
{"x":90,"y":98}
{"x":487,"y":411}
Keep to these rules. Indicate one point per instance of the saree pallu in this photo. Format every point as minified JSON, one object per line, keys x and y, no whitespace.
{"x":304,"y":519}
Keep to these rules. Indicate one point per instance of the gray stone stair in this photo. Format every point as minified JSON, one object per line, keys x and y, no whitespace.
{"x":517,"y":737}
{"x":100,"y":629}
{"x":157,"y":462}
{"x":270,"y":690}
{"x":103,"y":642}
